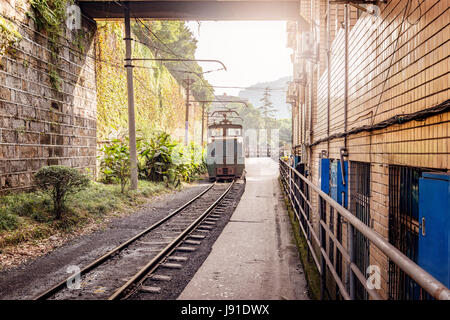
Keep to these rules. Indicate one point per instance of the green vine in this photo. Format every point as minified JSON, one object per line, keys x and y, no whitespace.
{"x":9,"y":36}
{"x":55,"y":79}
{"x":50,"y":16}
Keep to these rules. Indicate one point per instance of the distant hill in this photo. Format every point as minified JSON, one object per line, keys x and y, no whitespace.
{"x":278,"y":96}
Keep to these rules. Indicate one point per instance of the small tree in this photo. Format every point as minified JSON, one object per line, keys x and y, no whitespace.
{"x":267,"y":110}
{"x":60,"y":181}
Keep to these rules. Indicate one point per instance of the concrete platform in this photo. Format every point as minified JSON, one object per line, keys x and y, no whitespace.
{"x":255,"y":257}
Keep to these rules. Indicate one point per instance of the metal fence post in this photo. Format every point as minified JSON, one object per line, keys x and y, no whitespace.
{"x":351,"y":252}
{"x":323,"y":266}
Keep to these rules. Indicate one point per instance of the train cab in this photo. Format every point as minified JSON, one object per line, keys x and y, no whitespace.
{"x":225,"y":153}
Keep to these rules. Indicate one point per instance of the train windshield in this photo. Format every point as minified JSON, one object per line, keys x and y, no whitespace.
{"x":234,"y":132}
{"x":215,"y":132}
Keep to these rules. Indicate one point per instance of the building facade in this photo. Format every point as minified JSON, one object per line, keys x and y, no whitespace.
{"x":370,"y":96}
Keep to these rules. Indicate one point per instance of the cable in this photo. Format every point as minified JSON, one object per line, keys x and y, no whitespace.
{"x":420,"y":13}
{"x":390,"y":64}
{"x":175,"y":54}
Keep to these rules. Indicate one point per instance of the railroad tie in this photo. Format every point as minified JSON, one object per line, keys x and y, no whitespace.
{"x":170,"y":265}
{"x":177,"y":258}
{"x":160,"y":277}
{"x":150,"y":289}
{"x":186,"y":249}
{"x":209,"y":223}
{"x":204,"y":227}
{"x":192,"y":242}
{"x":215,"y":216}
{"x":197,"y":236}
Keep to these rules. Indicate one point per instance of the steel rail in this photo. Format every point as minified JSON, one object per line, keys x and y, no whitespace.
{"x":422,"y":277}
{"x":151,"y":266}
{"x":106,"y":256}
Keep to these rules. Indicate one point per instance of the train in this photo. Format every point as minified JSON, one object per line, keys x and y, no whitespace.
{"x":225,"y":157}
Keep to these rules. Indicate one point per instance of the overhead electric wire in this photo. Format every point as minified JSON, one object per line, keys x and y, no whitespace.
{"x":170,"y":49}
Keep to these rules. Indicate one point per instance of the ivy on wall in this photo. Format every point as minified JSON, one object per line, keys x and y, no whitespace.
{"x":50,"y":16}
{"x":159,"y":102}
{"x":9,"y":36}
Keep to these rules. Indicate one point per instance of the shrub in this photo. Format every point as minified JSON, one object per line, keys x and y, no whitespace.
{"x":8,"y":221}
{"x":162,"y":159}
{"x":60,"y":181}
{"x":157,"y":160}
{"x":115,"y":163}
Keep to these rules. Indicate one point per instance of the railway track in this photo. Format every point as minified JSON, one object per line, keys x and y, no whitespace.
{"x":121,"y":271}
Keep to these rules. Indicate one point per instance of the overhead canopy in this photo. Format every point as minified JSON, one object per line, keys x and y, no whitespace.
{"x":195,"y":10}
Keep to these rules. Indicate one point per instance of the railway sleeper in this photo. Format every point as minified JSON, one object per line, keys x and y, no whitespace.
{"x":170,"y":265}
{"x":160,"y":277}
{"x":197,"y":236}
{"x":150,"y":289}
{"x":177,"y":258}
{"x":194,"y":242}
{"x":186,"y":249}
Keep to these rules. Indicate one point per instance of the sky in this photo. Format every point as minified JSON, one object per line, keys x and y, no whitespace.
{"x":252,"y":51}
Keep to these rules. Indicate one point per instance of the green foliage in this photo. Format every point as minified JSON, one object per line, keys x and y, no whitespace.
{"x":9,"y":35}
{"x":60,"y":181}
{"x":49,"y":16}
{"x":8,"y":221}
{"x":254,"y":119}
{"x":193,"y":162}
{"x":115,"y":163}
{"x":162,"y":159}
{"x":158,"y":96}
{"x":157,"y":160}
{"x":32,"y":211}
{"x":178,"y":42}
{"x":36,"y":205}
{"x":55,"y":79}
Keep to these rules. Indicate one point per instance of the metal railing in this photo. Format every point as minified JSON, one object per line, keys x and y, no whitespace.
{"x":296,"y":186}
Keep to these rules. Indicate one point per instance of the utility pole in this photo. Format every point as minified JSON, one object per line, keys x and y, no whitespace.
{"x":130,"y":89}
{"x":203,"y":121}
{"x":188,"y":83}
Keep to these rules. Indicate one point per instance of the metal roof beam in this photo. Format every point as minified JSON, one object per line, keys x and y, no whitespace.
{"x":195,"y":10}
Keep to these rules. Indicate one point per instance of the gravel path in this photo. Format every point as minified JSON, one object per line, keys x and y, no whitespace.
{"x":31,"y":278}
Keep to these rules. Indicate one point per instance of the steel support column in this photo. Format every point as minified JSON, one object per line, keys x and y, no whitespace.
{"x":130,"y":91}
{"x":203,"y":121}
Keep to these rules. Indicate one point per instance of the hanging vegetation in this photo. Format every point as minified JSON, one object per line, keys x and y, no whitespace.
{"x":9,"y":36}
{"x":159,"y":101}
{"x":49,"y":16}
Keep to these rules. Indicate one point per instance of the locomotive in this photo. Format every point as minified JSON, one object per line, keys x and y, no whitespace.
{"x":225,"y":157}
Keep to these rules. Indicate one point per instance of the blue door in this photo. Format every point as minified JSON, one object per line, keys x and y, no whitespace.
{"x":434,"y":222}
{"x":338,"y":187}
{"x":324,"y":175}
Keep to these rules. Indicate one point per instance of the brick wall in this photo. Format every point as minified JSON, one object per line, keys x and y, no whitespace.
{"x":40,"y":125}
{"x":396,"y":67}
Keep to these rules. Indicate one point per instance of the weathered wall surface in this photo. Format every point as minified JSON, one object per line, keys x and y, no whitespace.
{"x":398,"y":66}
{"x":40,"y":125}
